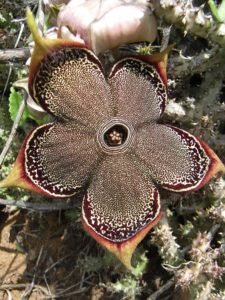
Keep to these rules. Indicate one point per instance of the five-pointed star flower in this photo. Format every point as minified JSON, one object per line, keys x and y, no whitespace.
{"x":107,"y":141}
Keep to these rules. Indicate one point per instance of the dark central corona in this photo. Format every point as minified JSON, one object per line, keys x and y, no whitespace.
{"x":116,"y":135}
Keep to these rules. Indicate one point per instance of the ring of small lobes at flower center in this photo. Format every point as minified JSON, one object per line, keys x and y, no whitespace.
{"x":116,"y":136}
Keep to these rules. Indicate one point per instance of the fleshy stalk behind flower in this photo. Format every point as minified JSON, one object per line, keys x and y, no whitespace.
{"x":107,"y":24}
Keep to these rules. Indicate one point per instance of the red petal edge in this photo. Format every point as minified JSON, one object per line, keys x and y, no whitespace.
{"x":18,"y":176}
{"x":159,"y":60}
{"x":122,"y":250}
{"x":216,"y":165}
{"x":37,"y":58}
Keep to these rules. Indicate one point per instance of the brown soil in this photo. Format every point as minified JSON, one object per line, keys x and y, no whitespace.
{"x":40,"y":258}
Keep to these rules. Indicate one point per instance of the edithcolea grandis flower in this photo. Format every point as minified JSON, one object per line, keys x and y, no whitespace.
{"x":107,"y":143}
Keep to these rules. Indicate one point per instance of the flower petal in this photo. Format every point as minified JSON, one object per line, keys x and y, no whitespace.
{"x":70,"y":84}
{"x":175,"y":159}
{"x":120,"y":206}
{"x":139,"y":93}
{"x":67,"y":79}
{"x":55,"y":160}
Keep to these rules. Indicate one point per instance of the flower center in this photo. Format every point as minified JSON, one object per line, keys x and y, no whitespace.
{"x":115,"y":136}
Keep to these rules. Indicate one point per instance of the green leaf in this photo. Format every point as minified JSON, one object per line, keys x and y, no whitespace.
{"x":218,"y":12}
{"x":14,"y":104}
{"x":221,"y":11}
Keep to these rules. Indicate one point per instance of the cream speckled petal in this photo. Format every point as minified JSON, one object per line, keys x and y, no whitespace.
{"x":139,"y":94}
{"x":70,"y":84}
{"x":174,"y":158}
{"x":120,"y":202}
{"x":59,"y":159}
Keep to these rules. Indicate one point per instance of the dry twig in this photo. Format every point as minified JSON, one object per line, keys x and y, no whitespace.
{"x":157,"y":295}
{"x":14,"y":55}
{"x":26,"y":294}
{"x":10,"y":68}
{"x":43,"y":207}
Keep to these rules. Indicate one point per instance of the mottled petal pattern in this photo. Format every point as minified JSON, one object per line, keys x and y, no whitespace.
{"x":105,"y":142}
{"x":70,"y":84}
{"x":174,"y":158}
{"x":59,"y":158}
{"x":139,"y":94}
{"x":120,"y":201}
